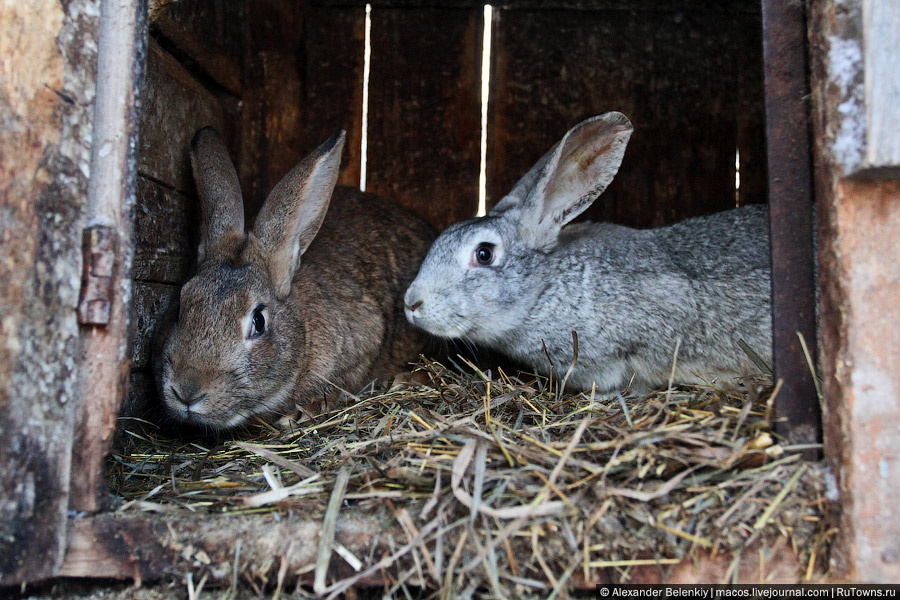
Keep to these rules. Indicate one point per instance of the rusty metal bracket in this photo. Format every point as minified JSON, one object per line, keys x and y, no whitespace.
{"x":791,"y":220}
{"x":98,"y":246}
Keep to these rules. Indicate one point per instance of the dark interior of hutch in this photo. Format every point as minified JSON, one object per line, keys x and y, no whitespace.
{"x":277,"y":77}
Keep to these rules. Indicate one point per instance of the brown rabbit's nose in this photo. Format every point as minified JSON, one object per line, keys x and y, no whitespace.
{"x":189,"y":395}
{"x":412,"y":307}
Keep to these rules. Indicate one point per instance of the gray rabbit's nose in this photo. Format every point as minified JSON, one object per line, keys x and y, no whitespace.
{"x":412,"y":307}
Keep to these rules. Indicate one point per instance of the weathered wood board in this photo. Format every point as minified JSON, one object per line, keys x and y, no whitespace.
{"x":674,"y":73}
{"x":424,"y":111}
{"x":47,"y":69}
{"x":859,"y":316}
{"x":334,"y":54}
{"x":271,"y":125}
{"x":150,"y":303}
{"x":174,"y":106}
{"x":150,"y":549}
{"x":209,"y":34}
{"x":165,"y":235}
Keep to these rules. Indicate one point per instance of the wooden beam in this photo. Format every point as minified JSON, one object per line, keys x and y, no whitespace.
{"x":859,"y":242}
{"x":153,"y":548}
{"x":103,"y":364}
{"x":47,"y":76}
{"x":881,"y":26}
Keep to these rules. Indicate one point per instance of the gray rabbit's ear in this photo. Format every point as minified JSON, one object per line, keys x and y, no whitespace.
{"x":567,"y":179}
{"x":293,"y":212}
{"x":219,"y":190}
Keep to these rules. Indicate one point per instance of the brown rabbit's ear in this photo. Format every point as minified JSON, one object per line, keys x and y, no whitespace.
{"x":219,"y":191}
{"x":293,"y":212}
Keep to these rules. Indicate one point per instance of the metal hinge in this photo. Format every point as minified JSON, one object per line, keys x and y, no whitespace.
{"x":98,"y":247}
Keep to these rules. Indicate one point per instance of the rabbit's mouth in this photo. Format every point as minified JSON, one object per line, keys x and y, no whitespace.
{"x":193,"y":414}
{"x":447,"y":325}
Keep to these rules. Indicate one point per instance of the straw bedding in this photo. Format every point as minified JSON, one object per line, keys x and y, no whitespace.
{"x":498,"y":486}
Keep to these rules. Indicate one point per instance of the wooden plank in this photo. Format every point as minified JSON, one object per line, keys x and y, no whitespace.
{"x":334,"y":49}
{"x":751,"y":114}
{"x":210,"y":32}
{"x":47,"y":79}
{"x":140,"y":548}
{"x":424,"y":111}
{"x":881,"y":26}
{"x":272,"y":139}
{"x":861,"y":65}
{"x":104,"y":348}
{"x":859,"y":240}
{"x":165,"y":236}
{"x":173,"y":107}
{"x":149,"y":305}
{"x":143,"y":549}
{"x":673,"y":74}
{"x":139,"y":403}
{"x":631,"y":6}
{"x":861,"y":340}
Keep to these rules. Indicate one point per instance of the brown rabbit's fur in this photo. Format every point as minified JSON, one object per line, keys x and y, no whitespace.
{"x":335,"y":322}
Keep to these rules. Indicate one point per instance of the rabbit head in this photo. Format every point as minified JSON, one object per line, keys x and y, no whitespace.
{"x":474,"y":282}
{"x":234,"y":349}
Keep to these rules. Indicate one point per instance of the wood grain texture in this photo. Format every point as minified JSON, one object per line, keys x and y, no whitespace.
{"x":859,"y":58}
{"x":47,"y":69}
{"x":859,"y":292}
{"x":104,"y":350}
{"x":165,"y":234}
{"x":881,"y":28}
{"x":173,"y":107}
{"x":272,"y":116}
{"x":210,"y":33}
{"x":750,"y":109}
{"x":630,"y":6}
{"x":675,"y":74}
{"x":149,"y":548}
{"x":791,"y":222}
{"x":334,"y":48}
{"x":151,"y":301}
{"x":424,"y":111}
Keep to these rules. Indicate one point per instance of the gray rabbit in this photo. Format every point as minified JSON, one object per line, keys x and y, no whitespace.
{"x":516,"y":279}
{"x":308,"y":301}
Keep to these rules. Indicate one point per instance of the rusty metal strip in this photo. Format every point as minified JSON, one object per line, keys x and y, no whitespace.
{"x":791,"y":219}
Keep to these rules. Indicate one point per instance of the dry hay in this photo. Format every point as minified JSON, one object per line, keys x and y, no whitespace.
{"x":499,"y":485}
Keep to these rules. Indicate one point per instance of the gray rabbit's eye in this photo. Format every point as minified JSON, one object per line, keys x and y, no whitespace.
{"x":484,"y":254}
{"x":257,"y":323}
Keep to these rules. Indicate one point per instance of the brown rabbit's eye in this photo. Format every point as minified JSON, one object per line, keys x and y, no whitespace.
{"x":484,"y":254}
{"x":257,"y":323}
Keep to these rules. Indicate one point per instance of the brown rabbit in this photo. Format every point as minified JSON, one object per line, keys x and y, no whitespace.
{"x":302,"y":305}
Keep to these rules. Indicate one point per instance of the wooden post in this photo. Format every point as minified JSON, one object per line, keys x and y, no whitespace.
{"x":105,"y":346}
{"x":857,"y":135}
{"x":46,"y":81}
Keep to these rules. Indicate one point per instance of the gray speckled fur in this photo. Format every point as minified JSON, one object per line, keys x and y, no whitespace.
{"x":629,"y":294}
